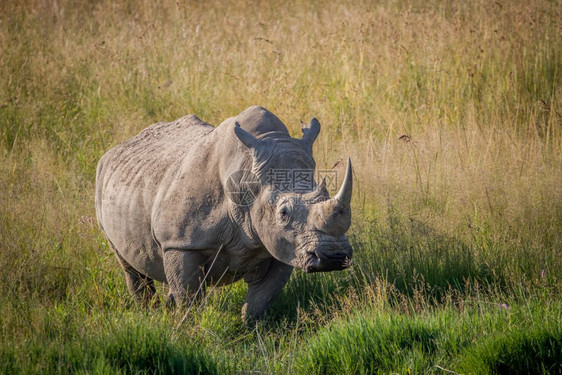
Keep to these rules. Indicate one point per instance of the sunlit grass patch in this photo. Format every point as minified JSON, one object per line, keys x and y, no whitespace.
{"x":483,"y":338}
{"x":536,"y":349}
{"x":367,"y":345}
{"x":127,"y":348}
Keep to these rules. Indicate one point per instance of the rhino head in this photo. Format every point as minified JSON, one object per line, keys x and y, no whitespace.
{"x":304,"y":228}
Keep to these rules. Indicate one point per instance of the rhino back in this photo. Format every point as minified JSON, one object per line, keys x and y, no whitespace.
{"x":129,"y":177}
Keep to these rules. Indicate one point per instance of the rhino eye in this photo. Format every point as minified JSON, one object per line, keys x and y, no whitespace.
{"x":284,"y":216}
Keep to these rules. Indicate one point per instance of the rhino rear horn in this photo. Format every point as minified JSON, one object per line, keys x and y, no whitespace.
{"x":246,"y":138}
{"x":344,"y":195}
{"x":321,"y":189}
{"x":310,"y":131}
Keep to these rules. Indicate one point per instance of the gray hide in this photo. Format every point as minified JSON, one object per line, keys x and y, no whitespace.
{"x":183,"y":201}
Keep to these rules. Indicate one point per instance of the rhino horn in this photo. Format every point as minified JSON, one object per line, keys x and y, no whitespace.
{"x":344,"y":195}
{"x":321,"y":189}
{"x":310,"y":131}
{"x":333,"y":216}
{"x":246,"y":138}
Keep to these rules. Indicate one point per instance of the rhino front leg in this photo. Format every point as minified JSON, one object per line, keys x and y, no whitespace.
{"x":184,"y":273}
{"x":264,"y":284}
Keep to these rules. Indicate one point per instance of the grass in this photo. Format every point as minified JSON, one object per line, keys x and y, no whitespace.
{"x":487,"y":339}
{"x":450,"y":111}
{"x":124,"y":347}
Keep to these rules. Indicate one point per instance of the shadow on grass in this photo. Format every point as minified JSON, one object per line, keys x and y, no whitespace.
{"x":415,"y":259}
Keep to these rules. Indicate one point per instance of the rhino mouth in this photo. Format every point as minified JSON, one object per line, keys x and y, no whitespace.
{"x":318,"y":261}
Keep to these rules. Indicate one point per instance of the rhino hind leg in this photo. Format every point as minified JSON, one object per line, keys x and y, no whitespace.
{"x":139,"y":285}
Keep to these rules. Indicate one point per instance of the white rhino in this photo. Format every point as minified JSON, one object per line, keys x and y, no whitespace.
{"x":191,"y":205}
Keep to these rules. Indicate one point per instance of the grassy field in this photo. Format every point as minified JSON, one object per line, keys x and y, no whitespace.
{"x":450,"y":110}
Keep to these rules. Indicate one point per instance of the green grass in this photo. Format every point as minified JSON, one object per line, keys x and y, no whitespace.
{"x":124,"y":346}
{"x":481,"y":339}
{"x":450,"y":111}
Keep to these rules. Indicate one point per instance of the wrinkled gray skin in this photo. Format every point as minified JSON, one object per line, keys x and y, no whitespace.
{"x":162,"y":201}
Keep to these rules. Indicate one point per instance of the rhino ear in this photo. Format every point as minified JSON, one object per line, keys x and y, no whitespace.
{"x":246,"y":138}
{"x":310,"y":131}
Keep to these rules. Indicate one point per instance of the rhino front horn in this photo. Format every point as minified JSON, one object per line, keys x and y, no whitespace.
{"x":344,"y":195}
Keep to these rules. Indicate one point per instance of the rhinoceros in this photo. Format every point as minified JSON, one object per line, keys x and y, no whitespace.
{"x":189,"y":204}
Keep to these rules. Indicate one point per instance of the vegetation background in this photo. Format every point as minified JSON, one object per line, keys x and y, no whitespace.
{"x":450,"y":110}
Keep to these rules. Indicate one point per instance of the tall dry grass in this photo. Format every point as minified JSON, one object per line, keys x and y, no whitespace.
{"x":450,"y":111}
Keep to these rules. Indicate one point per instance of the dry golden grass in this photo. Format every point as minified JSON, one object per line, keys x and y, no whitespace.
{"x":450,"y":111}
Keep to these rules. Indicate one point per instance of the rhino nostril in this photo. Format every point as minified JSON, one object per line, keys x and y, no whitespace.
{"x":311,"y":262}
{"x":321,"y":261}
